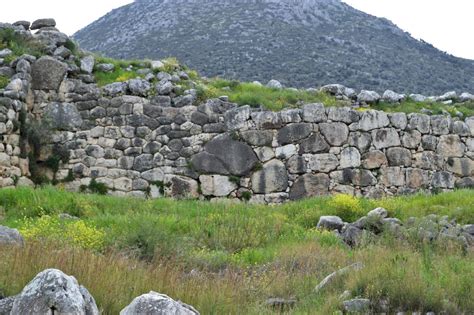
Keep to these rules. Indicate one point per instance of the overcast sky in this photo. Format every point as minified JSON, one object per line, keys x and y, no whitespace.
{"x":448,"y":25}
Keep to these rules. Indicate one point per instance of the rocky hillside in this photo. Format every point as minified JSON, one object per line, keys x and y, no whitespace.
{"x":302,"y":43}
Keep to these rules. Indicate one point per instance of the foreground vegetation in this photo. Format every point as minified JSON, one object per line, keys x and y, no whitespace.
{"x":227,"y":258}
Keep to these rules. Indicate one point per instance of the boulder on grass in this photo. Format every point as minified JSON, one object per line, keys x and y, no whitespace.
{"x":157,"y":304}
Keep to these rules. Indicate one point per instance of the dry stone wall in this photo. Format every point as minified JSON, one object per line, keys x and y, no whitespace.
{"x":150,"y":138}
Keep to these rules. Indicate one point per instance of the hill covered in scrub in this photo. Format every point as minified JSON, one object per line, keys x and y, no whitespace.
{"x":302,"y":43}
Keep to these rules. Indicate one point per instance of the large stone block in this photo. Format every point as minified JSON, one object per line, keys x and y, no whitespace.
{"x":336,"y":134}
{"x":451,"y":146}
{"x":324,"y":163}
{"x":63,"y":116}
{"x":314,"y":144}
{"x":47,"y":73}
{"x":385,"y":138}
{"x":350,"y":157}
{"x":228,"y":156}
{"x":314,"y":113}
{"x":374,"y":159}
{"x":398,"y":157}
{"x":460,"y":166}
{"x":310,"y":185}
{"x":216,"y":185}
{"x":271,"y":178}
{"x":372,"y":119}
{"x":294,"y":132}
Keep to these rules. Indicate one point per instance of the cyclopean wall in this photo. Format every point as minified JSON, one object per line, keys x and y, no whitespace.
{"x":148,"y":138}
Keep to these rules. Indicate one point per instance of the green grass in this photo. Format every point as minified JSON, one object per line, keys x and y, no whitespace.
{"x":410,"y":106}
{"x":3,"y":81}
{"x":240,"y":254}
{"x":256,"y":95}
{"x":121,"y":72}
{"x":18,"y":45}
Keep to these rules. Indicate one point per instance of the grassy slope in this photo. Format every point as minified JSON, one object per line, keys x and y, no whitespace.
{"x":241,"y":253}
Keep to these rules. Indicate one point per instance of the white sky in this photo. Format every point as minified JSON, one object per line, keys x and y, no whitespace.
{"x":448,"y":25}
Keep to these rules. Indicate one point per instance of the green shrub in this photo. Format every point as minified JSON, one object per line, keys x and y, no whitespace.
{"x":4,"y":81}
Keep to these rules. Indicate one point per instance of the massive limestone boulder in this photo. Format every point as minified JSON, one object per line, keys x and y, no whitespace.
{"x":385,"y":138}
{"x":47,"y":73}
{"x":181,"y":187}
{"x":157,"y":304}
{"x":63,"y":116}
{"x":314,"y":113}
{"x":271,"y":178}
{"x":293,"y":132}
{"x":53,"y":292}
{"x":6,"y":305}
{"x":224,"y":155}
{"x":330,"y":222}
{"x":451,"y":146}
{"x":372,"y":119}
{"x":392,"y":97}
{"x":314,"y":144}
{"x":368,"y":97}
{"x":41,"y":23}
{"x":216,"y":185}
{"x":10,"y":236}
{"x":336,"y":134}
{"x":310,"y":185}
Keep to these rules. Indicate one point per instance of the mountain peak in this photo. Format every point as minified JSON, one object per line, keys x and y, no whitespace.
{"x":302,"y":43}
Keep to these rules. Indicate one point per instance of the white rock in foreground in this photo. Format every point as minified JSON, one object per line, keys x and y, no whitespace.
{"x":157,"y":304}
{"x":53,"y":292}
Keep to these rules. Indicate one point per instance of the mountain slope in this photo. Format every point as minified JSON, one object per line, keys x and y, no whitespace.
{"x":302,"y":43}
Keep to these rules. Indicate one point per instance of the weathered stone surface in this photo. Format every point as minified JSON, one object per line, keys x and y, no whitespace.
{"x":417,"y":178}
{"x":296,"y":164}
{"x":63,"y":116}
{"x":343,"y":114}
{"x":40,"y":23}
{"x":392,"y":97}
{"x":159,"y":304}
{"x":237,"y":118}
{"x":443,"y":180}
{"x":314,"y":144}
{"x":369,"y":97}
{"x":209,"y":164}
{"x":393,"y":176}
{"x":293,"y":132}
{"x":358,"y":177}
{"x":360,"y":140}
{"x":411,"y":139}
{"x":310,"y":185}
{"x":257,"y":137}
{"x":6,"y":305}
{"x":271,"y":178}
{"x":374,"y":159}
{"x":286,"y":151}
{"x":357,"y":305}
{"x":428,"y":160}
{"x":440,"y":125}
{"x":47,"y":73}
{"x":322,"y":162}
{"x":216,"y":185}
{"x":181,"y":187}
{"x":87,"y":64}
{"x":267,"y":120}
{"x":460,"y":166}
{"x":398,"y":120}
{"x":336,"y":134}
{"x":51,"y":291}
{"x":450,"y":146}
{"x":330,"y":223}
{"x":10,"y":236}
{"x":372,"y":119}
{"x":398,"y":157}
{"x":350,"y":157}
{"x":237,"y":158}
{"x":420,"y":122}
{"x":385,"y":138}
{"x":314,"y":113}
